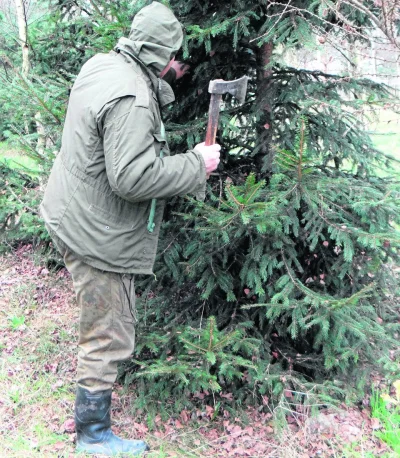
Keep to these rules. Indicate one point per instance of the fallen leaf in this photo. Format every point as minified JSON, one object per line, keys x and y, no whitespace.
{"x":58,"y":446}
{"x":68,"y":426}
{"x":209,"y":411}
{"x":375,"y":423}
{"x":184,"y":416}
{"x":178,"y":424}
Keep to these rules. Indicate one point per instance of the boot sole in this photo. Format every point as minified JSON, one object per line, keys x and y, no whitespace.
{"x":101,"y":451}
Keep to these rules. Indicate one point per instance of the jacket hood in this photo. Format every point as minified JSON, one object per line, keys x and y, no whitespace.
{"x":155,"y":37}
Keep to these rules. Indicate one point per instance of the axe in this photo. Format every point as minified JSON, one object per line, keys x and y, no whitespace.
{"x":217,"y":88}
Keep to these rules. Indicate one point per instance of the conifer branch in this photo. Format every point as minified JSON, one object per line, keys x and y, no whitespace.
{"x":34,"y":212}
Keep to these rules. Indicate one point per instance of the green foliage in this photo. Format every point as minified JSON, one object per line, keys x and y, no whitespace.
{"x":16,"y":322}
{"x":300,"y":260}
{"x":197,"y":360}
{"x":19,"y":202}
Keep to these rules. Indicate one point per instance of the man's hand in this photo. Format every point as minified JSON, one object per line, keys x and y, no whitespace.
{"x":180,"y":68}
{"x":210,"y":155}
{"x":175,"y":70}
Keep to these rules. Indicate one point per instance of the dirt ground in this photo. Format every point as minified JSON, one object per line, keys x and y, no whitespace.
{"x":38,"y":344}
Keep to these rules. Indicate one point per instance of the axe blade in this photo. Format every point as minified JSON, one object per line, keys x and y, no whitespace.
{"x":237,"y":88}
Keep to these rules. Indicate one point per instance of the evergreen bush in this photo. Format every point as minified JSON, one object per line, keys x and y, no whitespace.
{"x":19,"y":202}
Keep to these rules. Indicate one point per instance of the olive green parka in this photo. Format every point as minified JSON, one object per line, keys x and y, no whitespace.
{"x":98,"y":198}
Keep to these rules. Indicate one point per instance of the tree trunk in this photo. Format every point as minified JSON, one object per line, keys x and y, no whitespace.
{"x":23,"y":35}
{"x":23,"y":38}
{"x":353,"y":62}
{"x":264,"y":157}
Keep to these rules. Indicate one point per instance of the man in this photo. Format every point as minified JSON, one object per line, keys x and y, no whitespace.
{"x":100,"y":204}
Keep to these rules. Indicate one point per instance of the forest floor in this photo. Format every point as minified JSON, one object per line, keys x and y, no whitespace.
{"x":38,"y":336}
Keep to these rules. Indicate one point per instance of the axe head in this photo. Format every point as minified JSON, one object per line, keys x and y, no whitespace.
{"x":237,"y":88}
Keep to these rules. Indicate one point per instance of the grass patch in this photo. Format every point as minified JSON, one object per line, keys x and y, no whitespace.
{"x":387,"y":411}
{"x":16,"y":159}
{"x":385,"y":134}
{"x":37,"y":360}
{"x":16,"y":322}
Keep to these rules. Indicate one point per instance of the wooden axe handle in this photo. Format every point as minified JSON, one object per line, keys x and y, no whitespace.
{"x":213,"y":116}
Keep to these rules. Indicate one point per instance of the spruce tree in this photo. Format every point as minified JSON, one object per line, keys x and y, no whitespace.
{"x":295,"y":244}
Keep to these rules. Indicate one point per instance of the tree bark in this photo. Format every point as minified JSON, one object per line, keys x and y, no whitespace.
{"x":264,"y":96}
{"x":23,"y":35}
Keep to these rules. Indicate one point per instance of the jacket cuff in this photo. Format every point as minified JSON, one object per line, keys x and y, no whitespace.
{"x":200,"y":191}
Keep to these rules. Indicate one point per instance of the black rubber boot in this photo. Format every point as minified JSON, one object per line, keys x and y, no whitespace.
{"x":93,"y":427}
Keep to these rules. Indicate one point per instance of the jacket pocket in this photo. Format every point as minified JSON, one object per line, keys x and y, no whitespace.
{"x":126,"y":219}
{"x":128,"y":299}
{"x":107,"y":216}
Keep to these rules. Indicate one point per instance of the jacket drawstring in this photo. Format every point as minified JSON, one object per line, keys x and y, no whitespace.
{"x":151,"y":224}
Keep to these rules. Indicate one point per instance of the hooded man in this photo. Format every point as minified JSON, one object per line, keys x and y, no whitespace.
{"x":100,"y":204}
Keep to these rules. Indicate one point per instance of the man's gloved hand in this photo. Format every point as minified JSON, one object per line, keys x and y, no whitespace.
{"x":210,"y":155}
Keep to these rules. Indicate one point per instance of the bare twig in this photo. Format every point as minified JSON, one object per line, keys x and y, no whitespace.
{"x":20,"y":201}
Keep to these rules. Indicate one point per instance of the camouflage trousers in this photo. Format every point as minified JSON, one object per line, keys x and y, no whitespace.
{"x":107,"y":321}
